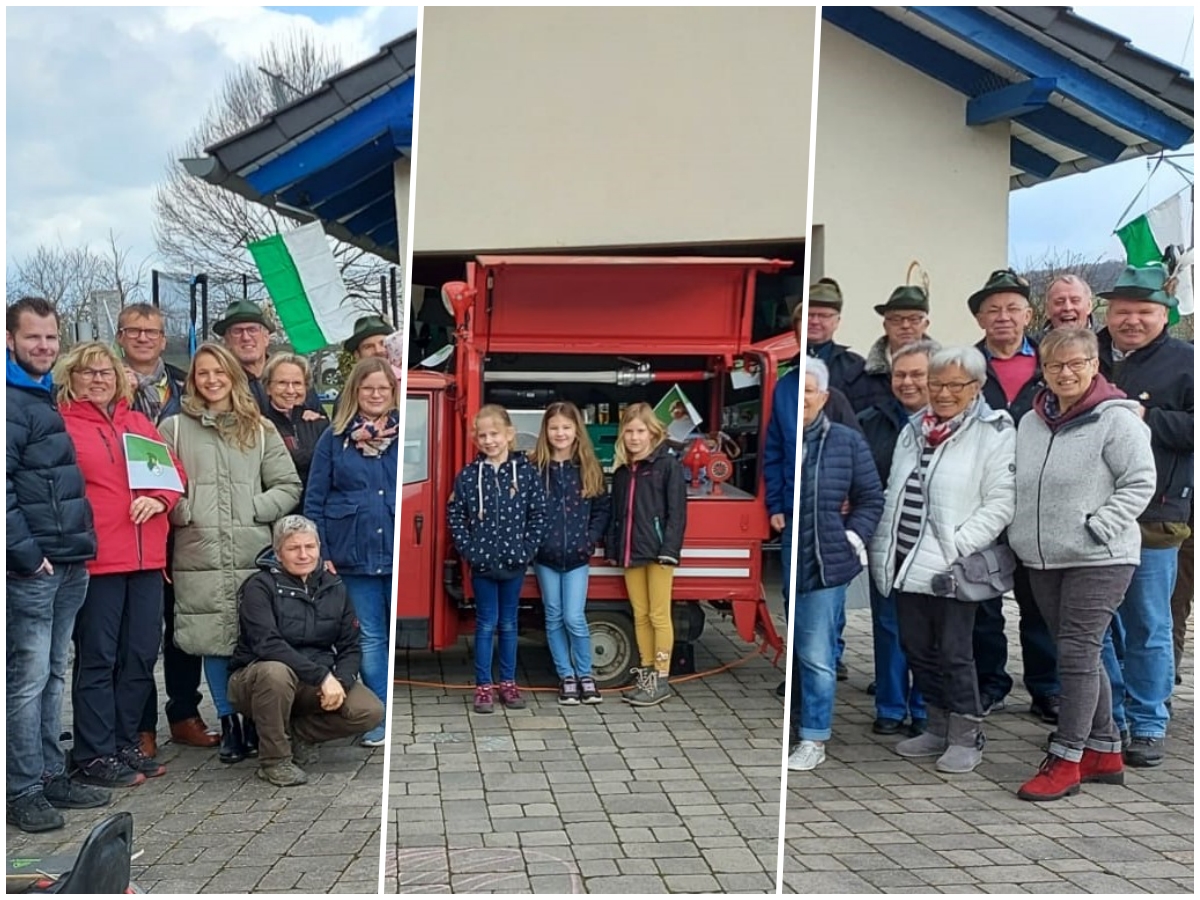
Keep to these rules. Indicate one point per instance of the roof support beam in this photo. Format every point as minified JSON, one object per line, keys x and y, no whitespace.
{"x":1010,"y":102}
{"x":1027,"y":159}
{"x":1071,"y":132}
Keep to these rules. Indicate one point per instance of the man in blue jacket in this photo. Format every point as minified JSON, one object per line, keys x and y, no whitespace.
{"x":49,"y":538}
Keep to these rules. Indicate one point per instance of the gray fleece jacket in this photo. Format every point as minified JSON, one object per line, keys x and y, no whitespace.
{"x":1081,"y":487}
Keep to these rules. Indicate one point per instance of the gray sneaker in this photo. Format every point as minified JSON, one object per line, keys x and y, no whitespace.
{"x":304,"y":753}
{"x":63,"y":793}
{"x":282,"y":774}
{"x":652,"y":689}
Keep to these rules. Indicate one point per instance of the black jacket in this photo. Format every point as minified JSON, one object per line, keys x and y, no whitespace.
{"x":649,"y":511}
{"x":310,"y":626}
{"x":299,"y":435}
{"x":497,"y":516}
{"x":993,"y":392}
{"x":575,"y":525}
{"x":848,"y":374}
{"x":48,"y":516}
{"x":881,"y":426}
{"x":1161,"y":377}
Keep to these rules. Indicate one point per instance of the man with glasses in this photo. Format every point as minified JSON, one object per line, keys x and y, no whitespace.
{"x":847,"y":370}
{"x":905,"y":321}
{"x":247,"y":335}
{"x":1139,"y":356}
{"x":157,"y":394}
{"x":1001,"y":307}
{"x":50,"y":537}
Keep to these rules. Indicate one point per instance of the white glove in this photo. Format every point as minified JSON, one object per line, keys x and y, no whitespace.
{"x":859,"y":547}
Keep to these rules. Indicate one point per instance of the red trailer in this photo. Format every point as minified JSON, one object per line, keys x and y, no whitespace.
{"x":601,"y":332}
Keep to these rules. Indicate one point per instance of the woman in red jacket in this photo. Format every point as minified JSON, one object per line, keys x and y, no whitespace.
{"x":119,"y":627}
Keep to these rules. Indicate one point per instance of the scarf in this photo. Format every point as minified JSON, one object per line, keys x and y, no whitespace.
{"x":370,"y":437}
{"x":935,"y":432}
{"x":148,"y":391}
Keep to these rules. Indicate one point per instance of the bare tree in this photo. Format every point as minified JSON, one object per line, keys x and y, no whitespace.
{"x":203,"y":228}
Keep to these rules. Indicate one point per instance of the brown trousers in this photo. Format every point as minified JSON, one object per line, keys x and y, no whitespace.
{"x":271,"y":694}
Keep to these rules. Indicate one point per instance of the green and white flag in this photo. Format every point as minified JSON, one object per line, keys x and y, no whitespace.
{"x":1147,"y":238}
{"x":149,"y":465}
{"x":306,"y":287}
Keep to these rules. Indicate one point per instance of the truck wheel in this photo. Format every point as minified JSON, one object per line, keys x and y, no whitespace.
{"x":614,"y":646}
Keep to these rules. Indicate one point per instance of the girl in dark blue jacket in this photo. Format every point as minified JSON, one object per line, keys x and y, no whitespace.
{"x":497,"y":516}
{"x":577,"y":516}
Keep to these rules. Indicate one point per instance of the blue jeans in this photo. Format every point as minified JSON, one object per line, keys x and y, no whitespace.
{"x":785,"y":552}
{"x":814,"y":644}
{"x":216,"y":673}
{"x":371,"y":596}
{"x":1139,"y":654}
{"x":896,"y":694}
{"x":496,"y":615}
{"x":39,"y":620}
{"x":564,"y":598}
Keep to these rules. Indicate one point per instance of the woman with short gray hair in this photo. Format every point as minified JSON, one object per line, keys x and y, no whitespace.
{"x":950,"y":494}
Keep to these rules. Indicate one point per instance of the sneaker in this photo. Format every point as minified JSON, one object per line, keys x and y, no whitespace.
{"x":304,"y":753}
{"x":65,"y":793}
{"x":884,"y":725}
{"x":806,"y":757}
{"x":652,"y":689}
{"x":568,"y":691}
{"x":510,"y":696}
{"x":140,"y":762}
{"x":989,"y":704}
{"x":590,"y":694}
{"x":376,"y":737}
{"x":33,"y":813}
{"x":843,"y":674}
{"x":1045,"y":708}
{"x":1056,"y":778}
{"x":1145,"y":752}
{"x":283,"y":774}
{"x":108,"y":772}
{"x":483,"y":698}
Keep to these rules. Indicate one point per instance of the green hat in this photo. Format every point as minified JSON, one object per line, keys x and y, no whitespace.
{"x":367,"y":326}
{"x":1002,"y":281}
{"x":907,"y":296}
{"x":240,"y":311}
{"x":825,"y":294}
{"x":1147,"y":283}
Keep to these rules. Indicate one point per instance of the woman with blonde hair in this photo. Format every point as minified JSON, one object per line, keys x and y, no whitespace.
{"x":241,"y":480}
{"x":351,"y":496}
{"x":645,"y":535}
{"x":119,"y":627}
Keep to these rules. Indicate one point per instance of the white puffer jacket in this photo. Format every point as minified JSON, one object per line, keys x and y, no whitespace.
{"x":970,"y":491}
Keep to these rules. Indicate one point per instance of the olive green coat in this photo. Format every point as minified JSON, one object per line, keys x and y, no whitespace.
{"x":224,"y":521}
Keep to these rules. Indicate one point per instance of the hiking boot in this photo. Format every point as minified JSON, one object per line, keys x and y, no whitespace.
{"x":483,"y":698}
{"x":931,"y":742}
{"x":1045,"y":708}
{"x":588,"y":691}
{"x":807,"y":756}
{"x":568,"y":691}
{"x":1101,"y":768}
{"x":282,"y":774}
{"x":510,"y":696}
{"x":64,"y":793}
{"x":140,"y":762}
{"x":1145,"y":752}
{"x":1056,"y":778}
{"x":652,"y":688}
{"x":304,"y":753}
{"x":108,"y":772}
{"x":965,"y":751}
{"x":33,"y":813}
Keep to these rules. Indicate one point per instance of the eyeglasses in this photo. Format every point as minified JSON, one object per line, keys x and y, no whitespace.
{"x":1075,"y":365}
{"x":905,"y":320}
{"x":245,"y":331}
{"x":96,"y":374}
{"x":823,"y":316}
{"x":374,"y":390}
{"x":954,"y":387}
{"x":918,"y":377}
{"x":140,"y":333}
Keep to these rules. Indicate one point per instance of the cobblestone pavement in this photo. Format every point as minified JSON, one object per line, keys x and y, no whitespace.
{"x":589,"y":799}
{"x":867,"y":821}
{"x":205,"y":827}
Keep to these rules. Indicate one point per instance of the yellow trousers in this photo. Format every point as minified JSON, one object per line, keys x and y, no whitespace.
{"x":649,"y":589}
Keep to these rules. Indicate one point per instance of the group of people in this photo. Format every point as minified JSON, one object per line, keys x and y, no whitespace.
{"x":552,"y":509}
{"x":263,"y":560}
{"x":1056,"y":466}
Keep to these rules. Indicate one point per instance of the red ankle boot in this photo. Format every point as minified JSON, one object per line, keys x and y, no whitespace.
{"x":1103,"y":768}
{"x":1056,"y":778}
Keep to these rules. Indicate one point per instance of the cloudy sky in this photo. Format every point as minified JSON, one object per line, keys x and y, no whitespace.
{"x":97,"y":98}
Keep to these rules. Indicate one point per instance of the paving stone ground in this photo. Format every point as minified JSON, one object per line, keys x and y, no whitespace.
{"x":867,"y":821}
{"x":205,"y":827}
{"x":590,"y":799}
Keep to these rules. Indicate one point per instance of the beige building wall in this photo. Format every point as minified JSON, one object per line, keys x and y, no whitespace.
{"x":402,"y":175}
{"x":546,"y":128}
{"x":899,"y":176}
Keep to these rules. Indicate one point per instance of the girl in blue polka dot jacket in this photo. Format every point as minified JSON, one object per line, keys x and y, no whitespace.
{"x":497,"y":517}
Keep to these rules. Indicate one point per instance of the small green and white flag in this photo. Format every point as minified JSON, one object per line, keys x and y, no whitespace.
{"x":306,"y":287}
{"x":1147,"y":238}
{"x":150,"y":466}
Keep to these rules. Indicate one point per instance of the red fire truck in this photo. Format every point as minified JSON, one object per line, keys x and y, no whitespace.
{"x":601,"y":332}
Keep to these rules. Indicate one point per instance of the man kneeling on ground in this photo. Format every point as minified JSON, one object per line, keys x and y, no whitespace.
{"x":295,"y":669}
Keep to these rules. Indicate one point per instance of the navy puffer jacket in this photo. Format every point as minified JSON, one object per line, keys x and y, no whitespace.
{"x":575,"y":525}
{"x":497,"y":516}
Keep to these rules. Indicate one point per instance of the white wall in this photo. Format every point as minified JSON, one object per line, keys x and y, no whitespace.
{"x":402,"y":173}
{"x":899,"y":176}
{"x":549,"y":127}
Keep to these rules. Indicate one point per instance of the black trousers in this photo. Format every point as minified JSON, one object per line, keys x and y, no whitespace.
{"x":181,"y":672}
{"x":117,"y":635}
{"x":935,"y":633}
{"x":1038,"y":653}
